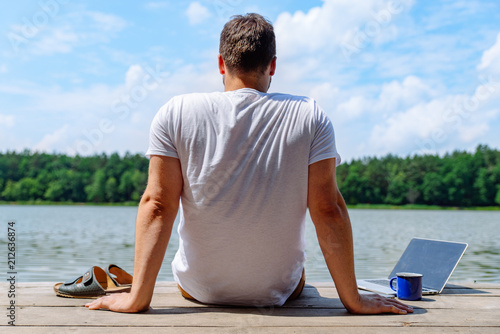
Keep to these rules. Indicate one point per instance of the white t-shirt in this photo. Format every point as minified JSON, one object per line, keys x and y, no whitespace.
{"x":244,"y":156}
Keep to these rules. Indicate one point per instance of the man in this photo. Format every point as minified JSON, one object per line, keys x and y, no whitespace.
{"x":245,"y":165}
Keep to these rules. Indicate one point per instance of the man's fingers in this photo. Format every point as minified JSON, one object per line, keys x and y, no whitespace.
{"x":97,"y":304}
{"x":393,"y":306}
{"x":404,"y":307}
{"x":399,"y":308}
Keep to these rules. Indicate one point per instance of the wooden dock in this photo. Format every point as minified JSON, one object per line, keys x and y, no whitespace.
{"x":469,"y":308}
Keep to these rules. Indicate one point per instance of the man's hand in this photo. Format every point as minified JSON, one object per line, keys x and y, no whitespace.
{"x":375,"y":304}
{"x":119,"y":302}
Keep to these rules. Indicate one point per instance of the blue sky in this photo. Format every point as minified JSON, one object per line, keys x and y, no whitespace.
{"x":403,"y":77}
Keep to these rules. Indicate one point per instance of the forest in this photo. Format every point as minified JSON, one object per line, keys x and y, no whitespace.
{"x":39,"y":177}
{"x":457,"y":179}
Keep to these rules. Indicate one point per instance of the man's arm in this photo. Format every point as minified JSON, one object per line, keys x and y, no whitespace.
{"x":333,"y":228}
{"x":156,"y":214}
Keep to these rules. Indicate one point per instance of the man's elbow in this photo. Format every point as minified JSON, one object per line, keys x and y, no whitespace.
{"x":325,"y":210}
{"x":332,"y":207}
{"x":158,"y":206}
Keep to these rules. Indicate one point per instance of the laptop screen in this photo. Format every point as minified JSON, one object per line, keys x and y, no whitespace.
{"x":434,"y":259}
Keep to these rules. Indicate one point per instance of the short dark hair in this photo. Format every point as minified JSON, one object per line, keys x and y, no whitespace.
{"x":247,"y":43}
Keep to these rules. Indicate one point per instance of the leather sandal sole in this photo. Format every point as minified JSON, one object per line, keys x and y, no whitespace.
{"x":62,"y":294}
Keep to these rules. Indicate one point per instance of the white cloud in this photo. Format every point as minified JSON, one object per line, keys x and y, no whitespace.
{"x":103,"y":118}
{"x":378,"y":103}
{"x":133,"y":75}
{"x":395,"y":95}
{"x":153,"y":5}
{"x":434,"y":125}
{"x":324,"y":92}
{"x":76,"y":29}
{"x":473,"y":132}
{"x":335,"y":23}
{"x":3,"y":68}
{"x":136,"y":118}
{"x":409,"y":114}
{"x":6,"y":121}
{"x":309,"y":50}
{"x":490,"y":60}
{"x":52,"y":140}
{"x":59,"y":41}
{"x":106,"y":22}
{"x":352,"y":108}
{"x":197,"y":13}
{"x":420,"y":125}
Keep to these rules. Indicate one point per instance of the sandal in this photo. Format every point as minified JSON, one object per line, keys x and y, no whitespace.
{"x":119,"y":276}
{"x":94,"y":283}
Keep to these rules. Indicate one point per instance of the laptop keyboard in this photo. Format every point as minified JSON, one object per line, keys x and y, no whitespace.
{"x":385,"y":282}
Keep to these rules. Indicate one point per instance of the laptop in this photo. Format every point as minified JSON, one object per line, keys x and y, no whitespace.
{"x":434,"y":259}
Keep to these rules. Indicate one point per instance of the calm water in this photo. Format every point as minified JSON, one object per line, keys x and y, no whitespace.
{"x":56,"y":243}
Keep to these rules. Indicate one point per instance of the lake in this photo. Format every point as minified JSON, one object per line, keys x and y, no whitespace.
{"x":56,"y":243}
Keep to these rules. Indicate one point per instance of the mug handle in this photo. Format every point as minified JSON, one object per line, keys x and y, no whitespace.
{"x":390,"y":283}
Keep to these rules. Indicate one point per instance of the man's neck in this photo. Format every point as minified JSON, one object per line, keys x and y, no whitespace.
{"x":260,"y":83}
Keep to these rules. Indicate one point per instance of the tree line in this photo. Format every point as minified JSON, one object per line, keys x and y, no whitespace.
{"x":460,"y":178}
{"x":101,"y":178}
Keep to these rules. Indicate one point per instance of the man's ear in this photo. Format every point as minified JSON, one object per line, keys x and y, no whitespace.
{"x":272,"y":66}
{"x":222,"y":65}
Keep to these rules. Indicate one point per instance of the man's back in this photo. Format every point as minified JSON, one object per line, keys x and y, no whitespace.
{"x":244,"y":156}
{"x":245,"y":165}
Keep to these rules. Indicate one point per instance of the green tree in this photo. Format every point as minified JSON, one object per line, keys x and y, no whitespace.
{"x":485,"y":188}
{"x":55,"y":191}
{"x":96,"y":192}
{"x":355,"y":187}
{"x":139,"y":180}
{"x":433,"y":189}
{"x":10,"y":193}
{"x":459,"y":181}
{"x":457,"y":178}
{"x":377,"y":175}
{"x":65,"y":186}
{"x":111,"y":189}
{"x":398,"y":189}
{"x":24,"y":190}
{"x":132,"y":185}
{"x":126,"y":187}
{"x":497,"y":197}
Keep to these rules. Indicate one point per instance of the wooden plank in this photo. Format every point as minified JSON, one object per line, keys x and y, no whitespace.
{"x":175,"y":300}
{"x":472,"y":307}
{"x":479,"y":285}
{"x":244,"y":317}
{"x":249,"y":330}
{"x":311,"y":298}
{"x":309,"y":285}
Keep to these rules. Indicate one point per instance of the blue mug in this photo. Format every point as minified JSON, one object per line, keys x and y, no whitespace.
{"x":409,"y":286}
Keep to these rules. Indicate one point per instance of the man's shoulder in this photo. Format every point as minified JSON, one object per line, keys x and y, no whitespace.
{"x":187,"y":100}
{"x":299,"y":103}
{"x":293,"y":97}
{"x":278,"y":96}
